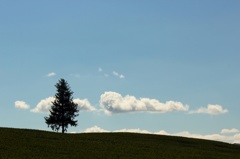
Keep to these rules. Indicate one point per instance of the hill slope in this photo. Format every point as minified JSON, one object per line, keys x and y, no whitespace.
{"x":21,"y":143}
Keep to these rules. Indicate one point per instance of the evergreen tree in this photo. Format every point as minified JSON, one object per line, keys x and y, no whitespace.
{"x":64,"y":110}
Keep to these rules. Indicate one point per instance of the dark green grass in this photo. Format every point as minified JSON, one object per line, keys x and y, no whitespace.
{"x":21,"y":143}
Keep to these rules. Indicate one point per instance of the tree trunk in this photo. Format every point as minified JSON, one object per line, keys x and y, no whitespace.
{"x":62,"y":128}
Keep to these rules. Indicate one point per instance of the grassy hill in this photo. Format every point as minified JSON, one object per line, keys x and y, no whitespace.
{"x":21,"y":143}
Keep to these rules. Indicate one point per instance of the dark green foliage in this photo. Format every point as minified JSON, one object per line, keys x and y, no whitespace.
{"x":22,"y":144}
{"x":63,"y":110}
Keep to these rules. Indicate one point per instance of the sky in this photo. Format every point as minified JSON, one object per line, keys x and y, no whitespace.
{"x":157,"y":67}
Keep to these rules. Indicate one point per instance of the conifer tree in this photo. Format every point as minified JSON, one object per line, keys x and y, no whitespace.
{"x":63,"y":109}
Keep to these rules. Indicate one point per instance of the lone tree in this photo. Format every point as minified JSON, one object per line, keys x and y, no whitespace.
{"x":64,"y":110}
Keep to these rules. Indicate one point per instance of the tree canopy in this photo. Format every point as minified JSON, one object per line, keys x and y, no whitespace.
{"x":63,"y":109}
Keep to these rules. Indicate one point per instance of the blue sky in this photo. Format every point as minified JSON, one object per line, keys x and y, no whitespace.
{"x":124,"y":61}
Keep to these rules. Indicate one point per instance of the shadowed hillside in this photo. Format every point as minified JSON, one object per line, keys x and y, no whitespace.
{"x":21,"y":143}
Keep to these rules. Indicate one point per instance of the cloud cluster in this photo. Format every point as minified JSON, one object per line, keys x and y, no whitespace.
{"x":96,"y":129}
{"x":114,"y":73}
{"x":44,"y":105}
{"x":211,"y":109}
{"x":112,"y":102}
{"x":21,"y":105}
{"x":235,"y":138}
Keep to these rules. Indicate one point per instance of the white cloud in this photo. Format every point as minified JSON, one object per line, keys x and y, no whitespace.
{"x":51,"y":74}
{"x":133,"y":131}
{"x":84,"y":104}
{"x":44,"y":105}
{"x":118,"y":75}
{"x":72,"y":132}
{"x":112,"y":102}
{"x":98,"y":129}
{"x":162,"y":132}
{"x":229,"y":131}
{"x":216,"y":137}
{"x":21,"y":105}
{"x":211,"y":109}
{"x":94,"y":129}
{"x":235,"y":138}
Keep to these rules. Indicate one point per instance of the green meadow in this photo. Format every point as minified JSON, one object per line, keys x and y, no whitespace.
{"x":35,"y":144}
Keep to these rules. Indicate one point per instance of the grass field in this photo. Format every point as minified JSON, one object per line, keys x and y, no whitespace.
{"x":34,"y":144}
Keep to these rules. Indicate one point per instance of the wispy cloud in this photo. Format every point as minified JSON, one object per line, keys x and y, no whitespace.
{"x":211,"y":109}
{"x":21,"y":105}
{"x":118,"y":75}
{"x":100,"y":69}
{"x":112,"y":102}
{"x":235,"y":138}
{"x":51,"y":74}
{"x":45,"y":105}
{"x":114,"y":73}
{"x":106,"y":75}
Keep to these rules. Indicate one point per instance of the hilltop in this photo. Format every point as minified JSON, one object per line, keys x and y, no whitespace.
{"x":35,"y":144}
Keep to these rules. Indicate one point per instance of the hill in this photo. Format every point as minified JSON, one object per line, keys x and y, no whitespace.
{"x":34,"y":144}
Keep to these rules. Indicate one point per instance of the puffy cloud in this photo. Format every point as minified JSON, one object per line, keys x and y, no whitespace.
{"x":113,"y":102}
{"x":118,"y":75}
{"x":216,"y":137}
{"x":211,"y":109}
{"x":229,"y":131}
{"x":94,"y":129}
{"x":51,"y":74}
{"x":133,"y":131}
{"x":162,"y":132}
{"x":21,"y":105}
{"x":44,"y":105}
{"x":235,"y":138}
{"x":84,"y":104}
{"x":98,"y":129}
